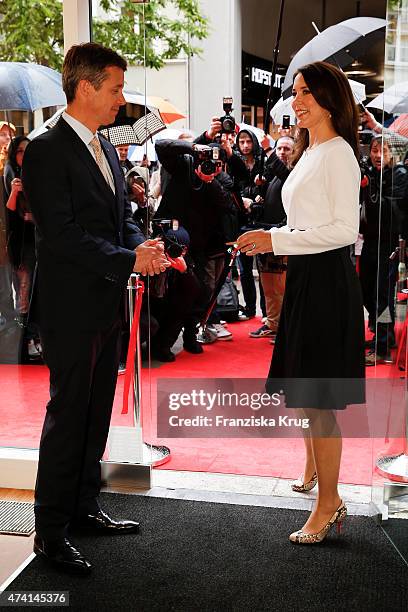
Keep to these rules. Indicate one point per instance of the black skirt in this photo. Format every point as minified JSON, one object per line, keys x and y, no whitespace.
{"x":319,"y":355}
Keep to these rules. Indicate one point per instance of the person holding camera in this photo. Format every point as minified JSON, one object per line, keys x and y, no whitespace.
{"x":197,"y":199}
{"x":244,"y":167}
{"x":384,"y":208}
{"x":323,"y":294}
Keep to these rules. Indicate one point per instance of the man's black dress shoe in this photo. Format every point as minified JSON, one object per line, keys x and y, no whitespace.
{"x":104,"y":524}
{"x":62,"y":554}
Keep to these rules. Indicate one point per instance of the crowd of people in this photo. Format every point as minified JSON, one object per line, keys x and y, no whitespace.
{"x":242,"y":191}
{"x":239,"y":190}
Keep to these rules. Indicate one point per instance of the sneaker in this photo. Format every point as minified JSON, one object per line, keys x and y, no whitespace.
{"x":206,"y":336}
{"x":33,"y":351}
{"x":222,"y":333}
{"x":245,"y":315}
{"x":262,"y":332}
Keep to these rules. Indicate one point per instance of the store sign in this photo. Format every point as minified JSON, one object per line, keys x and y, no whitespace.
{"x":257,"y":77}
{"x":264,"y":77}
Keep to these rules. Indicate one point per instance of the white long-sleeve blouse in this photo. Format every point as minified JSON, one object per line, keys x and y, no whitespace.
{"x":321,"y":200}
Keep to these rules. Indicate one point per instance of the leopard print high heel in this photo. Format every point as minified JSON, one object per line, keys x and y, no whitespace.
{"x":300,"y":537}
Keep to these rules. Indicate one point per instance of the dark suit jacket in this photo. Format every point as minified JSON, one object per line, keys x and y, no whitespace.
{"x":85,"y":234}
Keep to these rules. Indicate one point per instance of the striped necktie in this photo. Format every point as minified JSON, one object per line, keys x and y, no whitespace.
{"x":97,"y":147}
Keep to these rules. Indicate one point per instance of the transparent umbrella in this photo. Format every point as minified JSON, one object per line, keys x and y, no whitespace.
{"x":28,"y":87}
{"x":339,"y":44}
{"x":393,"y":100}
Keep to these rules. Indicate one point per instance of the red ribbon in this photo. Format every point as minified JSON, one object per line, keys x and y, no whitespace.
{"x":130,"y":361}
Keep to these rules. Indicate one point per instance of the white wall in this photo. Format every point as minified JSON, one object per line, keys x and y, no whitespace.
{"x":171,"y":82}
{"x":218,"y":72}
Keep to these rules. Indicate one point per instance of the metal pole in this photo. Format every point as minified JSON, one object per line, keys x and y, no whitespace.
{"x":269,"y":102}
{"x":137,"y":450}
{"x":137,"y":394}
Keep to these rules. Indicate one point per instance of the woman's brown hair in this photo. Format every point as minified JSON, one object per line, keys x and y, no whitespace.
{"x":331,"y":90}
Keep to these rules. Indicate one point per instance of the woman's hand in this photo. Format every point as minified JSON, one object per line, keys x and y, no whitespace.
{"x":254,"y":242}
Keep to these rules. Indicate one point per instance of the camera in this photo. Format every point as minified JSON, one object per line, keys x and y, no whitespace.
{"x":286,"y":122}
{"x":209,"y":158}
{"x":227,"y":121}
{"x":161,"y":229}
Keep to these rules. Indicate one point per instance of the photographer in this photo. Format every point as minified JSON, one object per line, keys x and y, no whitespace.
{"x":201,"y":204}
{"x":384,"y":202}
{"x":173,"y":293}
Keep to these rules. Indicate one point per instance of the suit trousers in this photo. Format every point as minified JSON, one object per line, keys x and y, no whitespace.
{"x":83,"y":373}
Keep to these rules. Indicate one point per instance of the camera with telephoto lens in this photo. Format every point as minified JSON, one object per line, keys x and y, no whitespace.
{"x":227,"y":121}
{"x":161,"y":228}
{"x":209,"y":158}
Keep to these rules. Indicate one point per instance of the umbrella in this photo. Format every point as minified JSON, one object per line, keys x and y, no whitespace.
{"x":137,"y":133}
{"x":339,"y":44}
{"x":28,"y":87}
{"x":149,"y":149}
{"x":393,"y":100}
{"x":137,"y":152}
{"x":284,"y":107}
{"x":167,"y":110}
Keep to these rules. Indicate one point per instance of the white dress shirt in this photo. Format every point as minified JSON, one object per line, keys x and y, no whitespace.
{"x":321,"y":200}
{"x":86,"y":136}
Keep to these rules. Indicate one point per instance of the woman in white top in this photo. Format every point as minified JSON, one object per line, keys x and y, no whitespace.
{"x":319,"y":352}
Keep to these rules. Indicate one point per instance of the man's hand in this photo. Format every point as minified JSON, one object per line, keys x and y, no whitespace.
{"x":138,"y":192}
{"x":214,"y":128}
{"x":247,"y":203}
{"x":259,"y":180}
{"x":370,"y":121}
{"x":150,"y":258}
{"x":226,"y":145}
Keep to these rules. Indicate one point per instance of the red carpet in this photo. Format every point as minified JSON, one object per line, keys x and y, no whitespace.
{"x":24,"y":394}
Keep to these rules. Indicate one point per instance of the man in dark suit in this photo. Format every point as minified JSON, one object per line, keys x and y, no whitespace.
{"x":87,"y":248}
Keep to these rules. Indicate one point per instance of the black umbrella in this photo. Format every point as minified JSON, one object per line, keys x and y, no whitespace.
{"x":339,"y":44}
{"x":131,"y":132}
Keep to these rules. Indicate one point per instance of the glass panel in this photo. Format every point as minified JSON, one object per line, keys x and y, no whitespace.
{"x":124,"y":27}
{"x":390,"y":485}
{"x":197,"y":85}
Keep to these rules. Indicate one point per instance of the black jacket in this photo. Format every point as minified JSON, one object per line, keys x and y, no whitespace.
{"x":199,"y":207}
{"x":85,"y":233}
{"x":247,"y":185}
{"x":384,"y":205}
